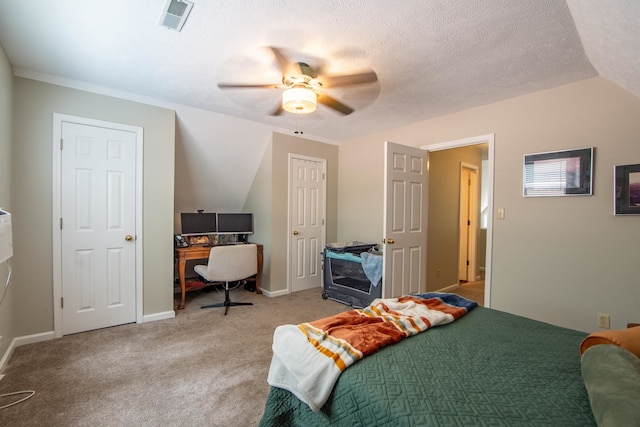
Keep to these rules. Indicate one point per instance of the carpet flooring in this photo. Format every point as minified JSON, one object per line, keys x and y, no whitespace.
{"x":470,"y":290}
{"x":200,"y":368}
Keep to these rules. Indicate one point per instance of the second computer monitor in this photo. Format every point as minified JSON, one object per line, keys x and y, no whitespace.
{"x":235,"y":223}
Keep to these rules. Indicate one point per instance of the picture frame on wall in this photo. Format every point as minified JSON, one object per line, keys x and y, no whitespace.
{"x":558,"y":173}
{"x":627,"y":189}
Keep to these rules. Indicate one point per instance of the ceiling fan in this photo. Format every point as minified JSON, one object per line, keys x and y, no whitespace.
{"x":305,"y":86}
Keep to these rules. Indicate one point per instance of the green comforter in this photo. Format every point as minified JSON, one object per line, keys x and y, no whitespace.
{"x":487,"y":368}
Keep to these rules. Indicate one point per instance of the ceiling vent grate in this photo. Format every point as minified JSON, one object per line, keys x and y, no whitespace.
{"x":175,"y":13}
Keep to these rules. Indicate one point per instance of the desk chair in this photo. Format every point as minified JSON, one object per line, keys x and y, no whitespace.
{"x":228,"y":263}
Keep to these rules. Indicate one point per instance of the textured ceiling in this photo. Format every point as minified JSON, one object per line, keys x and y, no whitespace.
{"x":432,"y":57}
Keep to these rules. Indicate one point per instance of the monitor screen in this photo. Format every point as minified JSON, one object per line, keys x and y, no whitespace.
{"x":197,"y":224}
{"x":235,"y":223}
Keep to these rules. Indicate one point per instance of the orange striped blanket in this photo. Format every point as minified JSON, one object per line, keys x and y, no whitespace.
{"x":308,"y":358}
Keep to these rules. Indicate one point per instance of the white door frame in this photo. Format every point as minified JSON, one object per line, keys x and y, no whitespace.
{"x":324,"y":213}
{"x":489,"y":139}
{"x":58,"y":119}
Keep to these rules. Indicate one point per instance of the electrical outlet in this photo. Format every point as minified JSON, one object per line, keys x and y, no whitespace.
{"x":603,"y":320}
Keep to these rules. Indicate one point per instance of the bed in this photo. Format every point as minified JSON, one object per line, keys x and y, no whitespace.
{"x":486,"y":368}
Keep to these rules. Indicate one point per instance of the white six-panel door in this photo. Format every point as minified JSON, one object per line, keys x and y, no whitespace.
{"x":404,"y":220}
{"x":98,"y":227}
{"x":306,"y":221}
{"x":468,"y":222}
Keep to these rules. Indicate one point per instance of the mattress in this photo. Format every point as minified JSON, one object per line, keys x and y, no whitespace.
{"x":487,"y":368}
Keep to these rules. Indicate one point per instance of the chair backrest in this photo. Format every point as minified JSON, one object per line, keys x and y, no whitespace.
{"x":232,"y":262}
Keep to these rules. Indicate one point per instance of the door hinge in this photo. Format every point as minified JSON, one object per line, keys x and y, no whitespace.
{"x":322,"y":175}
{"x":60,"y":223}
{"x":468,"y":222}
{"x":61,"y":302}
{"x":61,"y":144}
{"x":467,"y":262}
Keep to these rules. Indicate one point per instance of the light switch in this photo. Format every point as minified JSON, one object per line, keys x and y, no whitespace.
{"x":500,"y":213}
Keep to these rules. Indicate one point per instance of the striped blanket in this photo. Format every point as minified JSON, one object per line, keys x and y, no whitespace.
{"x":308,"y":358}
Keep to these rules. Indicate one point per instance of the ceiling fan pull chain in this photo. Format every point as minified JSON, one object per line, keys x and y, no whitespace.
{"x":299,"y":130}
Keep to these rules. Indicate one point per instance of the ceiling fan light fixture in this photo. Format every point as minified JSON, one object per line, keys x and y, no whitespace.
{"x":299,"y":100}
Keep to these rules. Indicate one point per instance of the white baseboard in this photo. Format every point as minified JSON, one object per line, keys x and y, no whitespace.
{"x":158,"y":316}
{"x":275,"y":293}
{"x":447,"y":288}
{"x":7,"y":355}
{"x":30,"y":339}
{"x":27,"y":339}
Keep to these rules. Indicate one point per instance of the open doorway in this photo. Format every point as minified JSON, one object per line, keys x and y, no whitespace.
{"x":445,"y":252}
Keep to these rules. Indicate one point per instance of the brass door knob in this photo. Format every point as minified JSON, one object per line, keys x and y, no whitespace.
{"x":295,"y":232}
{"x":128,"y":237}
{"x":390,"y":241}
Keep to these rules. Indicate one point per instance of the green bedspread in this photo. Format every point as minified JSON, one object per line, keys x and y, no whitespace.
{"x":488,"y":368}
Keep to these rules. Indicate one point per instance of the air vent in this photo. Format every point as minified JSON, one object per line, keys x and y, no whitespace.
{"x":175,"y":13}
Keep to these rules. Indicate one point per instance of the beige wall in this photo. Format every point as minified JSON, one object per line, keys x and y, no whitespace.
{"x":259,"y":202}
{"x":276,"y":279}
{"x":35,"y":103}
{"x":7,"y":323}
{"x":561,"y":260}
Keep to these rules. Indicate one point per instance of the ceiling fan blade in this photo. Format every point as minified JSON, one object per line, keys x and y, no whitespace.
{"x":277,"y":111}
{"x":330,"y":102}
{"x":247,"y":86}
{"x":348,"y":79}
{"x":283,"y":62}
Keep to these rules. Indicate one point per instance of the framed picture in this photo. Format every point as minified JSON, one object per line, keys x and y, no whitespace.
{"x":627,"y":189}
{"x":558,"y":173}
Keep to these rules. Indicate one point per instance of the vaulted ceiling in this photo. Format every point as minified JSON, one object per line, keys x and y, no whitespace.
{"x":431,"y":57}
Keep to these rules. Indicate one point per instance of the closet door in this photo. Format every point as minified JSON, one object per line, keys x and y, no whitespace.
{"x":307,"y":178}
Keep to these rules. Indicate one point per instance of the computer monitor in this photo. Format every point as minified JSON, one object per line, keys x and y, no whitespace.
{"x":235,"y":223}
{"x":198,"y":224}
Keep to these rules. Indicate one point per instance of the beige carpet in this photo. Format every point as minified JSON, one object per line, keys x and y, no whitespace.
{"x":200,"y":369}
{"x":470,"y":290}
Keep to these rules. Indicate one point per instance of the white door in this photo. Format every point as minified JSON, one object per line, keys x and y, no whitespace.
{"x":469,"y":217}
{"x":307,"y":177}
{"x":405,"y":220}
{"x":98,"y":227}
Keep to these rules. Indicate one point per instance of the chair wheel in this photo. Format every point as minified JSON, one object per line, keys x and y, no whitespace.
{"x":324,"y":295}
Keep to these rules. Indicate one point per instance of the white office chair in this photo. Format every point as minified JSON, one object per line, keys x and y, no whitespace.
{"x":228,"y":263}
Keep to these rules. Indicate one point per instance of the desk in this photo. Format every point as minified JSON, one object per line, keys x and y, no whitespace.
{"x":202,"y":252}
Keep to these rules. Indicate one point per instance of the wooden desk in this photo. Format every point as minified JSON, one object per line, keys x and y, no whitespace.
{"x":202,"y":252}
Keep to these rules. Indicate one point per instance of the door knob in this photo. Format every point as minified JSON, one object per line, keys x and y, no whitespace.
{"x":295,"y":232}
{"x":390,"y":241}
{"x":128,"y":237}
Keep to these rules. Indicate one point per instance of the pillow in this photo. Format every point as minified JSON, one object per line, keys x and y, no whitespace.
{"x":611,"y":376}
{"x":627,"y":338}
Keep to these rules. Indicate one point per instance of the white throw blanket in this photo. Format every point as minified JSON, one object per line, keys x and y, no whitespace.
{"x":308,"y":358}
